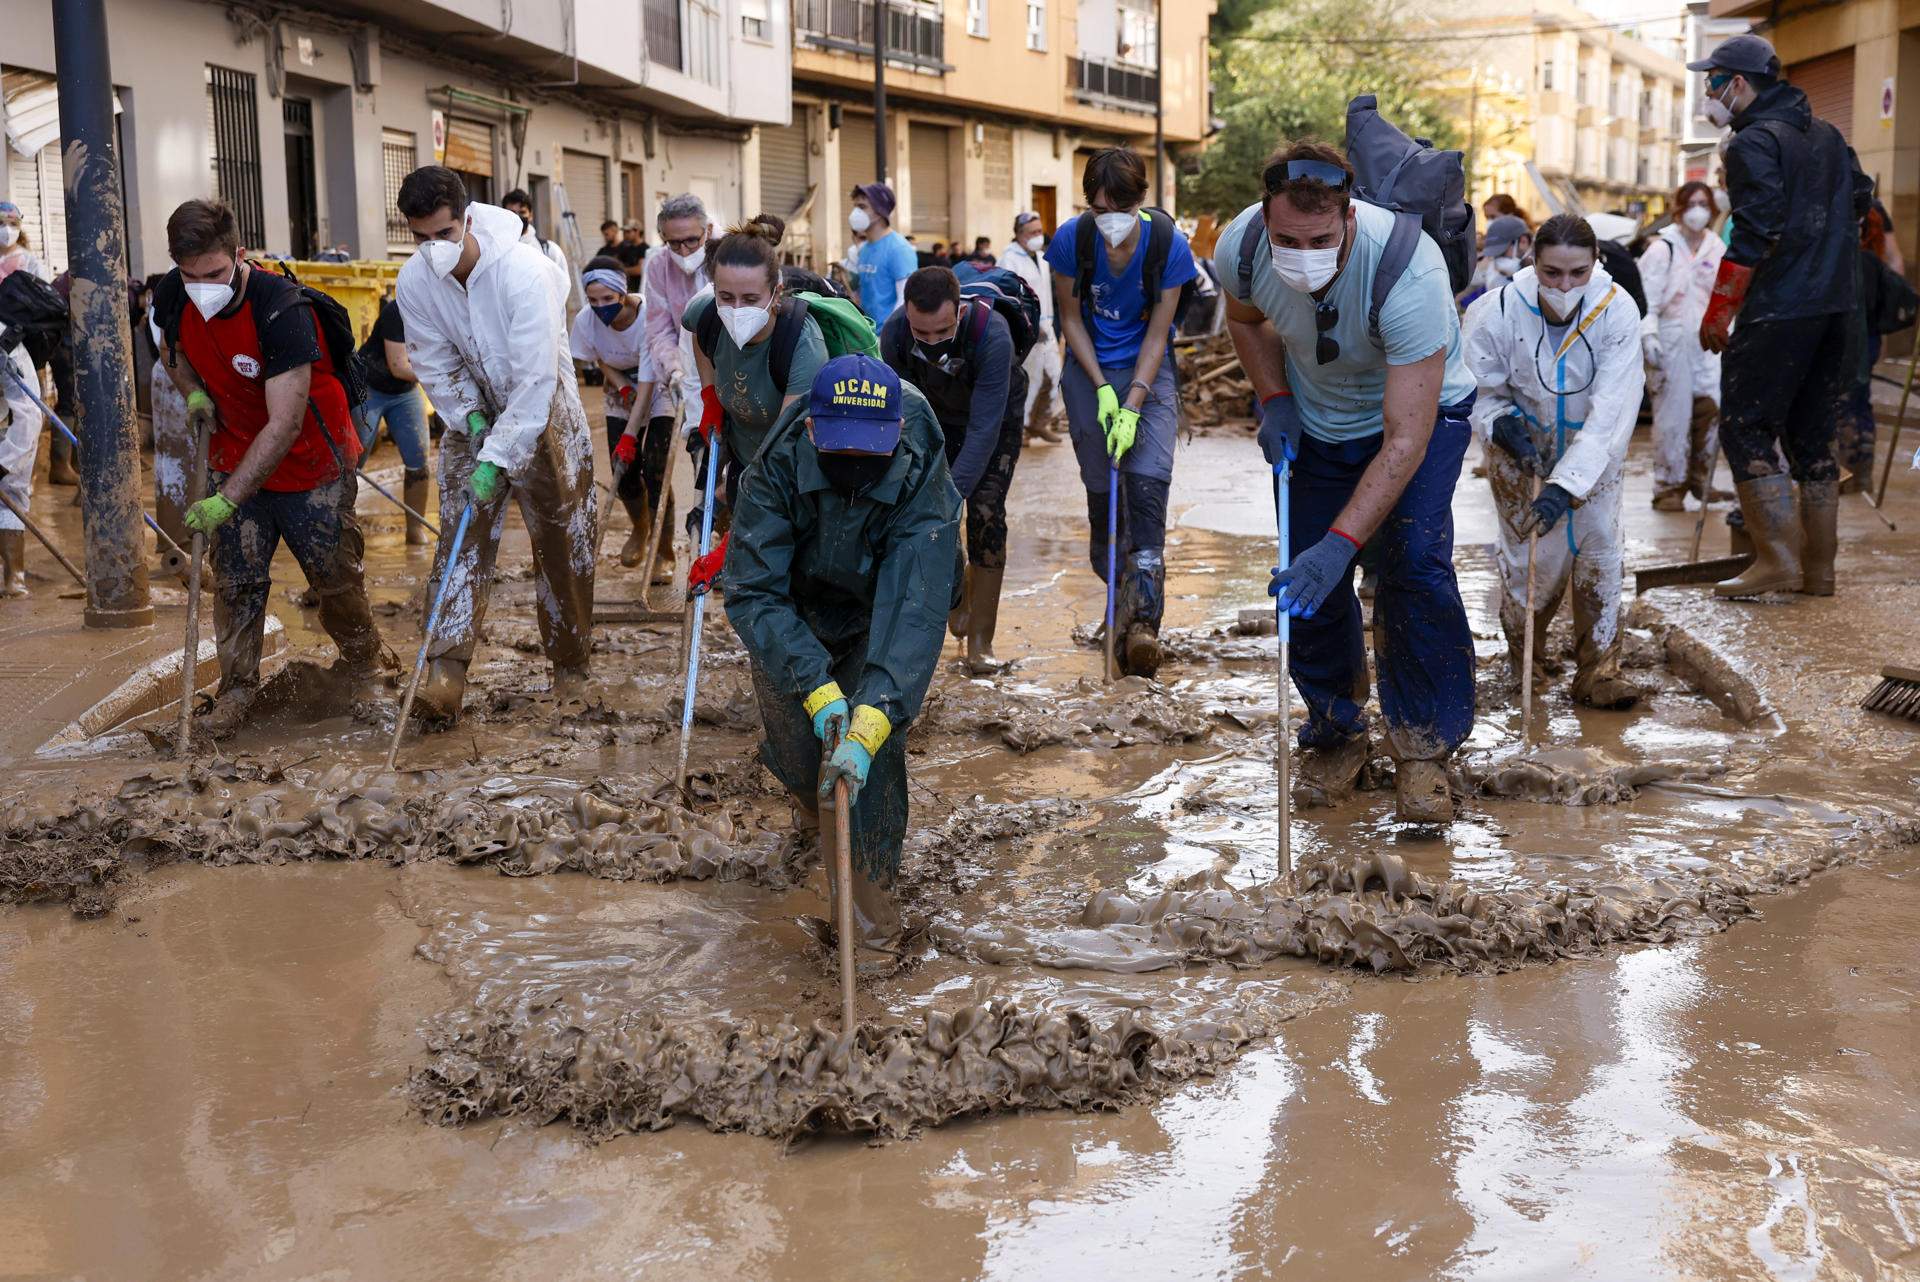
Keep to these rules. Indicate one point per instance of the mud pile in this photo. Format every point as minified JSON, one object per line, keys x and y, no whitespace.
{"x":1572,"y":776}
{"x":1377,"y":913}
{"x":554,"y":1058}
{"x":1090,"y":713}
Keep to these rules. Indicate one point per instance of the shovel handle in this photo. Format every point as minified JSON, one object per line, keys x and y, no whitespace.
{"x":843,"y":907}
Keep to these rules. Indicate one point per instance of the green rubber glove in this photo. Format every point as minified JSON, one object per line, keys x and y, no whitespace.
{"x":1121,"y":432}
{"x":486,"y":483}
{"x":1109,"y":403}
{"x":477,"y":425}
{"x":209,"y":514}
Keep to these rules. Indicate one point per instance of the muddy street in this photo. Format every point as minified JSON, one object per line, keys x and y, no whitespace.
{"x":1645,"y":1008}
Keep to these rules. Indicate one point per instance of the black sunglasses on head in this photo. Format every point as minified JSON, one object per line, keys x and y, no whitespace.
{"x":1323,"y":172}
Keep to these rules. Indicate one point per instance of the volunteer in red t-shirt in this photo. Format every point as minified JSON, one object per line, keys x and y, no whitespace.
{"x":248,"y":354}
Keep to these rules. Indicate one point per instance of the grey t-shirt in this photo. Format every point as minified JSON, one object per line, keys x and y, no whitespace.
{"x":744,"y":378}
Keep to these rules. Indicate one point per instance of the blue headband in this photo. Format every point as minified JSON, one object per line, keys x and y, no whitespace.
{"x":605,"y":276}
{"x":8,"y":207}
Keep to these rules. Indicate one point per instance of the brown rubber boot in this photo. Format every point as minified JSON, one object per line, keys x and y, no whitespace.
{"x":415,"y":489}
{"x":1327,"y":776}
{"x":960,"y":618}
{"x":1421,"y":794}
{"x":876,"y":922}
{"x":1819,"y":529}
{"x":663,"y":564}
{"x":442,"y":687}
{"x":1774,"y":526}
{"x":569,"y":682}
{"x":983,"y":612}
{"x":634,"y":550}
{"x":60,"y":469}
{"x":229,"y":712}
{"x":13,"y":563}
{"x":1597,"y":681}
{"x":1671,"y":498}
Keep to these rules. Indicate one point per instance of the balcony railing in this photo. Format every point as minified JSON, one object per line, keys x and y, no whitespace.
{"x":916,"y":30}
{"x":1112,"y":84}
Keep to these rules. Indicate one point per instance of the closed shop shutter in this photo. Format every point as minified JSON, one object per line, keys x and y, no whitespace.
{"x":586,"y":178}
{"x":783,"y":167}
{"x":37,"y":189}
{"x":932,"y":210}
{"x":856,"y":152}
{"x":1828,"y":83}
{"x":470,"y":154}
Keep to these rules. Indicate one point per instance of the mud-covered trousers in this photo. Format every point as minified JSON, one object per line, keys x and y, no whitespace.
{"x":1853,"y":444}
{"x":792,"y":753}
{"x":987,"y":505}
{"x":319,"y":528}
{"x":649,"y":468}
{"x":559,"y":506}
{"x":1146,"y":478}
{"x":1784,"y":381}
{"x":1423,"y":646}
{"x":172,"y":455}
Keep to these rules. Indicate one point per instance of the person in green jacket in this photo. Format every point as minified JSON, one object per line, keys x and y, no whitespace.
{"x":847,"y":565}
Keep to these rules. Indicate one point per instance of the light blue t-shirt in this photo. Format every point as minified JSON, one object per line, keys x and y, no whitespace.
{"x":1119,"y":302}
{"x":1340,"y":401}
{"x":884,"y":263}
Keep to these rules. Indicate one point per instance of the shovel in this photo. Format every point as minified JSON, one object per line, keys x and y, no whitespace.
{"x":843,"y":896}
{"x":696,"y":611}
{"x":433,"y":620}
{"x":190,"y":655}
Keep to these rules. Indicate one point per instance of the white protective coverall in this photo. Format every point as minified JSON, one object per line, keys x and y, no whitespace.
{"x":1579,"y":392}
{"x":20,"y":424}
{"x":1677,"y":282}
{"x":1044,"y":358}
{"x":498,"y":345}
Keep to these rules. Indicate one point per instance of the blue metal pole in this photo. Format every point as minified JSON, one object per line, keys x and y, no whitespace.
{"x":1113,"y":554}
{"x":1283,"y":621}
{"x":433,"y":623}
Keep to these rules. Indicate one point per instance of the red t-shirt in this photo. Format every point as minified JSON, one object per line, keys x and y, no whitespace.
{"x":270,"y":330}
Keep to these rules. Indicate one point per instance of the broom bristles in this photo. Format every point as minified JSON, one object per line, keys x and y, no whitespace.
{"x":1897,"y":695}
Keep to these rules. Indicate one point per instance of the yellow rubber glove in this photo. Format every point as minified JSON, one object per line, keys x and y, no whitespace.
{"x":1109,"y":405}
{"x":828,"y":708}
{"x":870,"y":727}
{"x":1120,"y":434}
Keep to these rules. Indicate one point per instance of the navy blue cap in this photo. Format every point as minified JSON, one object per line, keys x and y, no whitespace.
{"x":856,"y":405}
{"x":1747,"y":54}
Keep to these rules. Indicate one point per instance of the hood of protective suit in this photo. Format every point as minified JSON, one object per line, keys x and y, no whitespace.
{"x":498,"y":229}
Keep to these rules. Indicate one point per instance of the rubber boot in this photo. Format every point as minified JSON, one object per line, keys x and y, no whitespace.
{"x":1328,"y":776}
{"x":1774,"y":526}
{"x":1142,"y":598}
{"x":663,"y":563}
{"x":442,"y":687}
{"x":1819,"y":530}
{"x":229,"y":712}
{"x":959,"y":619}
{"x":876,"y":922}
{"x":1700,"y":454}
{"x":1421,"y":794}
{"x":1671,"y":498}
{"x":60,"y":469}
{"x":634,"y":550}
{"x":415,"y":488}
{"x":1597,"y":680}
{"x":1738,"y":542}
{"x":13,"y":563}
{"x":569,"y":682}
{"x":983,"y":612}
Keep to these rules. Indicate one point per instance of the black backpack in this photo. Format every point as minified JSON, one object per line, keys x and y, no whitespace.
{"x":797,"y":280}
{"x":35,"y":312}
{"x":1425,"y":188}
{"x":1620,"y":264}
{"x":1004,"y":291}
{"x":1160,"y":234}
{"x":1889,"y":302}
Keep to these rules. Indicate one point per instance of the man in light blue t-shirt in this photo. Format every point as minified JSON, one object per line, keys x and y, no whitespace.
{"x":1372,"y":421}
{"x":883,"y":258}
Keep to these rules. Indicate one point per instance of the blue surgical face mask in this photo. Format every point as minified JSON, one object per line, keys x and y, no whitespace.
{"x":608,"y":312}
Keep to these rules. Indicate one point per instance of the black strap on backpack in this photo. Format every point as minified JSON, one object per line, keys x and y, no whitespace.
{"x":1160,"y":231}
{"x":979,"y":316}
{"x":1250,"y":242}
{"x":787,"y":328}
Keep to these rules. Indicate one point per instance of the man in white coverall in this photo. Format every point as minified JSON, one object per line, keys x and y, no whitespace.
{"x":484,"y":315}
{"x":1677,"y":270}
{"x":1556,"y":355}
{"x":1026,"y":257}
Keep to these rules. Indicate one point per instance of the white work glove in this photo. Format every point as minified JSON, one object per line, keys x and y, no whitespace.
{"x":1650,"y":349}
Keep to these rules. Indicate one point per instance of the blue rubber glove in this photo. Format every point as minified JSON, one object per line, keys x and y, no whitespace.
{"x":849,"y":761}
{"x":828,"y":708}
{"x":1510,"y":434}
{"x":1305,"y":585}
{"x":1280,"y":427}
{"x":1545,"y":512}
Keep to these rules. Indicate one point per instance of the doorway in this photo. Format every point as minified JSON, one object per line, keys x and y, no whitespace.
{"x":1043,"y":205}
{"x":303,"y":191}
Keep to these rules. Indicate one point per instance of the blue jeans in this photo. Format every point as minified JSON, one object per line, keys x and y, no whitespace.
{"x":1422,"y":644}
{"x":406,"y":417}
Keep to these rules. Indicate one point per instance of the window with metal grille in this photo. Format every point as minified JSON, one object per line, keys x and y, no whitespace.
{"x":397,"y":159}
{"x":233,"y":150}
{"x":1037,"y":25}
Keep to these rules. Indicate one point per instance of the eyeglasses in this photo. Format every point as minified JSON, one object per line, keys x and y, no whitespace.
{"x":687,"y":244}
{"x":1323,"y":172}
{"x":1326,"y":349}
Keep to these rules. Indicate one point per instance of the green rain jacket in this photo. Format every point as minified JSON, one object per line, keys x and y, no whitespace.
{"x":808,"y":572}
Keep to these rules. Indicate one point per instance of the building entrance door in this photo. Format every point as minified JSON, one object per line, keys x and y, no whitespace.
{"x":303,"y":192}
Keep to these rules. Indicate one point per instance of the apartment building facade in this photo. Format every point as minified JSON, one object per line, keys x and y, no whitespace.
{"x":306,"y":121}
{"x":992,"y":108}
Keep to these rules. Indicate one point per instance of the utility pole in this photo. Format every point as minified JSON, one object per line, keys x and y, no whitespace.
{"x":110,"y":509}
{"x":880,"y":90}
{"x":1159,"y":113}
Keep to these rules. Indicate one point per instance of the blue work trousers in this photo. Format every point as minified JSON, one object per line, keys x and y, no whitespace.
{"x":1422,"y":644}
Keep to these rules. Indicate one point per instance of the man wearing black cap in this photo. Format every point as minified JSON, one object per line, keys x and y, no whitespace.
{"x":845,"y":560}
{"x":1788,"y":274}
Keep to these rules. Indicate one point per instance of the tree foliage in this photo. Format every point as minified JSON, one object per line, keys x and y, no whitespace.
{"x":1286,"y":69}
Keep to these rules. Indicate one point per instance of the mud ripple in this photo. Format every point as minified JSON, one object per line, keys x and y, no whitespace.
{"x":1090,"y":713}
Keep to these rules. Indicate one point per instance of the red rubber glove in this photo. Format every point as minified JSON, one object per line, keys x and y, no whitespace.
{"x":1729,"y":292}
{"x":707,"y":568}
{"x":624,"y":395}
{"x":626,"y":449}
{"x":710,"y":412}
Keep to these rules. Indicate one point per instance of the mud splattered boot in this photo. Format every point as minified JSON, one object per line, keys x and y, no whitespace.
{"x":442,"y":686}
{"x":13,"y":563}
{"x":60,"y":469}
{"x":663,"y":563}
{"x":1702,"y":449}
{"x":1597,"y":680}
{"x":571,"y":683}
{"x":416,"y":487}
{"x":1670,"y":498}
{"x":634,"y":550}
{"x":1142,"y":599}
{"x":1421,"y":794}
{"x":983,"y":612}
{"x":960,"y":618}
{"x":1327,"y":776}
{"x":1773,"y":524}
{"x":876,"y":922}
{"x":228,"y":713}
{"x":1819,"y":531}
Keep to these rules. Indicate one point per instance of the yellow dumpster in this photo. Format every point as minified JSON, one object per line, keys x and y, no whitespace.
{"x":359,"y":286}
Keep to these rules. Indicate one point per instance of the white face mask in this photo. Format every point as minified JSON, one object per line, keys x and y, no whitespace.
{"x":1720,"y":200}
{"x":1561,"y":302}
{"x":1305,"y":270}
{"x":1035,"y":244}
{"x":1506,"y":264}
{"x":1718,"y":113}
{"x":1115,"y":227}
{"x":444,"y":255}
{"x":211,"y":299}
{"x":1695,"y":217}
{"x":8,"y":234}
{"x":690,"y":263}
{"x":859,"y":219}
{"x":742,"y":323}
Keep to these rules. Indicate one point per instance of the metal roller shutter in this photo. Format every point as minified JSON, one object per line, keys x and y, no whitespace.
{"x":927,"y":160}
{"x":856,"y":151}
{"x":783,"y":168}
{"x":35,"y":183}
{"x":1828,"y":83}
{"x":586,"y":178}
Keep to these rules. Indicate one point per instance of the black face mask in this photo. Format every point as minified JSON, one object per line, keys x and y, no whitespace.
{"x":849,"y":474}
{"x":940,"y":353}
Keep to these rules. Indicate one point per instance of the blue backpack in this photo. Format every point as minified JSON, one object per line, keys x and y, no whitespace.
{"x":1006,"y":293}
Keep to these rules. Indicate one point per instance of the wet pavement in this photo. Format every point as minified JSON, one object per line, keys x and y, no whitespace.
{"x":227,"y":1069}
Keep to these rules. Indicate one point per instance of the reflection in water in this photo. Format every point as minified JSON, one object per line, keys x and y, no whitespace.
{"x":1789,"y":1203}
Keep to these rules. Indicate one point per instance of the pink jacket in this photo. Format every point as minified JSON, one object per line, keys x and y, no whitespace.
{"x":668,"y":290}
